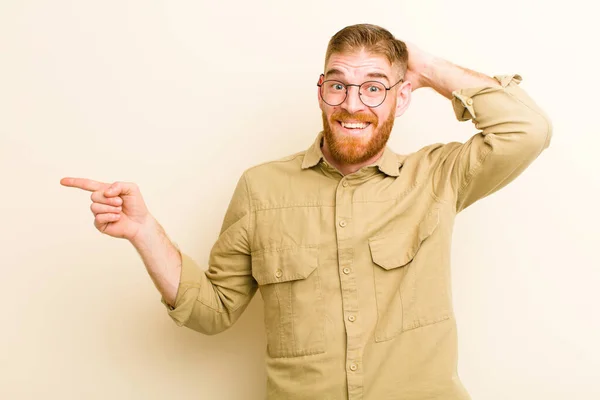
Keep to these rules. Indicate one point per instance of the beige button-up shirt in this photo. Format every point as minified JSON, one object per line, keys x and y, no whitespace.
{"x":354,"y":270}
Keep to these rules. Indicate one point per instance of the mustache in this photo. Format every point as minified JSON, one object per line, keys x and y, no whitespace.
{"x":343,"y":115}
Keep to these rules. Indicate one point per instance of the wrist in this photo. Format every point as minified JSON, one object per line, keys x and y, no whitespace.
{"x":146,"y":231}
{"x":429,"y":70}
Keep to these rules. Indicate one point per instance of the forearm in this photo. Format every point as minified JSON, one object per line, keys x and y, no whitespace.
{"x":512,"y":130}
{"x":445,"y":77}
{"x":161,"y":258}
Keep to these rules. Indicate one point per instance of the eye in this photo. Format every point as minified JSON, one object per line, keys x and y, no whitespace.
{"x":337,"y":86}
{"x":373,"y":89}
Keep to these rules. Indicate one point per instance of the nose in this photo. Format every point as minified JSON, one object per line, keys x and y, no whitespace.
{"x":352,"y":103}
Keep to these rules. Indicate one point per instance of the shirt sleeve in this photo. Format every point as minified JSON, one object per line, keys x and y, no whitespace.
{"x":211,"y":301}
{"x":514,"y":131}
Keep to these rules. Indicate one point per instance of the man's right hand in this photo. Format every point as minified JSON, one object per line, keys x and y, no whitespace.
{"x":120,"y":211}
{"x":119,"y":208}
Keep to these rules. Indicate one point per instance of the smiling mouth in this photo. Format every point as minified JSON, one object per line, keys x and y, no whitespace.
{"x":354,"y":126}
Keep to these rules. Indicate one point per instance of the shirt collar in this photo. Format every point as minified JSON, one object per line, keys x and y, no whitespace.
{"x":389,"y":163}
{"x":314,"y":154}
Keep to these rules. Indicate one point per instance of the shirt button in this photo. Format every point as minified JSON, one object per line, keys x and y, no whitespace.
{"x":278,"y":273}
{"x":353,"y":367}
{"x":342,"y":223}
{"x":351,"y":318}
{"x":470,"y":101}
{"x":345,"y":183}
{"x":346,"y":270}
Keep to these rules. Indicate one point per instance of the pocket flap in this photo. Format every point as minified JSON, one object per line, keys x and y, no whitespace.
{"x":396,"y":250}
{"x":283,"y":265}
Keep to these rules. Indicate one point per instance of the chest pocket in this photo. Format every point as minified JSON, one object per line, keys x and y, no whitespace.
{"x":293,"y":302}
{"x":411,"y":284}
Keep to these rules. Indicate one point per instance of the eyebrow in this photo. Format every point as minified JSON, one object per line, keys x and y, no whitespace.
{"x":335,"y":71}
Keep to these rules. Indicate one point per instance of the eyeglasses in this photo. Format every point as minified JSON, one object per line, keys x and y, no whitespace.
{"x":371,"y":93}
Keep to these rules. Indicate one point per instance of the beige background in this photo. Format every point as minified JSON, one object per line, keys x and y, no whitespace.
{"x":182,"y":96}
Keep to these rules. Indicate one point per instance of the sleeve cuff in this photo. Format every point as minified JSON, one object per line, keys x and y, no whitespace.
{"x":464,"y":100}
{"x":187,"y":292}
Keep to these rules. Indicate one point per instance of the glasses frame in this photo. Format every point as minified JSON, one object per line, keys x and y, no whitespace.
{"x":346,"y":85}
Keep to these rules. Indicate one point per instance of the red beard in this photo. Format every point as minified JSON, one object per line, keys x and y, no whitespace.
{"x":346,"y":149}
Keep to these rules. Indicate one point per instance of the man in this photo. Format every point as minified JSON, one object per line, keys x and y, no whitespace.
{"x":348,"y":242}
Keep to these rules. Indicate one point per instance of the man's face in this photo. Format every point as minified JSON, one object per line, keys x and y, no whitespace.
{"x":353,"y":131}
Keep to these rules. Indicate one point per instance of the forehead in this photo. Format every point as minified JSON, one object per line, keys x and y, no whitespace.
{"x":359,"y":65}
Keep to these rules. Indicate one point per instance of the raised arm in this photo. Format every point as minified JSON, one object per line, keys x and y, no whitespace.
{"x":513,"y":128}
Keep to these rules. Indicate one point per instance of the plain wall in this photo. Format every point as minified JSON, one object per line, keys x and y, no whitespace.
{"x":182,"y":96}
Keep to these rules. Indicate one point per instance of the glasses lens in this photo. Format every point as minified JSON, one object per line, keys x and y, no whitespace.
{"x":372,"y":93}
{"x":333,"y":92}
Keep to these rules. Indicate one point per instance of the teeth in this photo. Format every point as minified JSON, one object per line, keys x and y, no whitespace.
{"x":355,"y":125}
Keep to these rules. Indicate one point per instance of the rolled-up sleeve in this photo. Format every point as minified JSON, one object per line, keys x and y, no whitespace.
{"x":211,"y":301}
{"x":514,"y":131}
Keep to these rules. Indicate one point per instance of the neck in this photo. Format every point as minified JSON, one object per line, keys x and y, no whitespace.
{"x":345,"y":168}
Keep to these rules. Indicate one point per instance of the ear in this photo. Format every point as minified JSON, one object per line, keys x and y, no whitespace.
{"x":403,"y":97}
{"x":319,"y":82}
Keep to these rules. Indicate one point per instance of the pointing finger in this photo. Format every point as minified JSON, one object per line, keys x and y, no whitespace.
{"x":82,"y":183}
